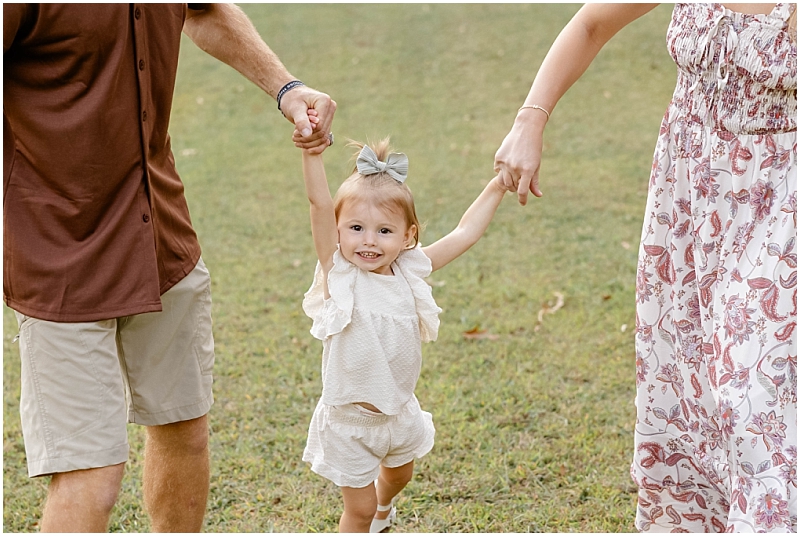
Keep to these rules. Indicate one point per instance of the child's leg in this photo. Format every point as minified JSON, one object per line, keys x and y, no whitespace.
{"x":391,"y":481}
{"x":359,"y":508}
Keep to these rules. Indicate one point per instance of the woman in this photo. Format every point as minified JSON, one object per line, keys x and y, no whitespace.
{"x":716,"y":291}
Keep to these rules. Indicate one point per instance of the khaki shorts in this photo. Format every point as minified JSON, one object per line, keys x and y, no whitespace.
{"x":82,"y":382}
{"x":348,"y":444}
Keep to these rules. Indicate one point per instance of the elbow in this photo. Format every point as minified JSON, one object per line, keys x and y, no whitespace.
{"x":320,"y":204}
{"x":468,"y":237}
{"x":600,"y":22}
{"x":593,"y":32}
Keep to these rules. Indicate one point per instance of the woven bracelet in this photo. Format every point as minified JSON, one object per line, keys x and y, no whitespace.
{"x":288,"y":87}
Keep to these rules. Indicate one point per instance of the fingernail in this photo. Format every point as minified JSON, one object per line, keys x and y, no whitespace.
{"x":306,"y":132}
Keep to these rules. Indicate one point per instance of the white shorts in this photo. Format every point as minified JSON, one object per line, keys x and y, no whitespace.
{"x":348,"y":444}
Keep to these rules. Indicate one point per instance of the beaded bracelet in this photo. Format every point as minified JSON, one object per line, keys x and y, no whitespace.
{"x":288,"y":87}
{"x":535,"y":107}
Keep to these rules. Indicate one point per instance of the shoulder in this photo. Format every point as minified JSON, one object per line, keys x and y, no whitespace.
{"x":416,"y":261}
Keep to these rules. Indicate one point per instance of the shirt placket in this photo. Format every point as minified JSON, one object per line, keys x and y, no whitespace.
{"x":145,"y":101}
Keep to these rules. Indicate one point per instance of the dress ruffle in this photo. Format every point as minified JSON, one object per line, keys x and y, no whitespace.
{"x":331,"y":316}
{"x":415,"y":266}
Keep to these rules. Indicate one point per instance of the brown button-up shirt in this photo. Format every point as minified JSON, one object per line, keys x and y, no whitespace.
{"x":95,"y":223}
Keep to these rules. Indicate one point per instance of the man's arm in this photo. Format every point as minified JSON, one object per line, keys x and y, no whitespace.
{"x":225,"y":32}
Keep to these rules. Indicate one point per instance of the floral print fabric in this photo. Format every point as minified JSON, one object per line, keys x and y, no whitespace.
{"x":716,"y":355}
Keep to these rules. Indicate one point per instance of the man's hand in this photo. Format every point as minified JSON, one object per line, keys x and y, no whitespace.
{"x":312,"y":114}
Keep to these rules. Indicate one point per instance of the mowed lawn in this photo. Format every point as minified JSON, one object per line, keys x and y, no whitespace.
{"x":534,"y":417}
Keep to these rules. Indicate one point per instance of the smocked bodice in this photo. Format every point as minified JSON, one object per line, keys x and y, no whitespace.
{"x":726,"y":85}
{"x":372,"y":327}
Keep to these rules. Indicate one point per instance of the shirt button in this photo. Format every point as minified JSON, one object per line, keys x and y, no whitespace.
{"x":141,"y":65}
{"x":145,"y":218}
{"x":137,"y":13}
{"x":144,"y":115}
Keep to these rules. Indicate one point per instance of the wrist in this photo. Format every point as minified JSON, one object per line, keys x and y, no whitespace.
{"x":535,"y":107}
{"x":497,"y":186}
{"x":533,"y":117}
{"x":285,"y":89}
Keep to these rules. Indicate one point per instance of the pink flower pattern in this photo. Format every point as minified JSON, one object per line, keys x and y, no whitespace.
{"x":716,"y":308}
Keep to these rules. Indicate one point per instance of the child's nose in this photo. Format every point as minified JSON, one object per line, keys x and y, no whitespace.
{"x":369,"y":238}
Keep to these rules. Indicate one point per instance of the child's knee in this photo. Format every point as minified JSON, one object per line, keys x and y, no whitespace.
{"x":360,"y":503}
{"x":361,"y":512}
{"x":398,"y":476}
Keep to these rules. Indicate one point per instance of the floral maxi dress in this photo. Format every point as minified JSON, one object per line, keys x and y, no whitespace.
{"x":716,"y":354}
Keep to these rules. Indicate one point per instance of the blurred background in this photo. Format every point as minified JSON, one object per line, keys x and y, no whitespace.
{"x":531,"y":383}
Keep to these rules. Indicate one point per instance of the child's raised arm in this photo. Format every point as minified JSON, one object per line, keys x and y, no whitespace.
{"x":471,"y":227}
{"x":323,"y":219}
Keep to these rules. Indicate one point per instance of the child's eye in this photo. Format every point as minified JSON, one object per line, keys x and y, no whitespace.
{"x":385,"y":231}
{"x":355,"y":227}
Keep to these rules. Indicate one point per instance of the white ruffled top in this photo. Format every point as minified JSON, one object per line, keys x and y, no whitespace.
{"x":372,"y":327}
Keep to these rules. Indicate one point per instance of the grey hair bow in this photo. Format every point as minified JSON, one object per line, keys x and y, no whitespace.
{"x":396,"y":164}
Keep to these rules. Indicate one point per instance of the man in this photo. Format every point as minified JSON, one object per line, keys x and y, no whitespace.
{"x":101,"y":263}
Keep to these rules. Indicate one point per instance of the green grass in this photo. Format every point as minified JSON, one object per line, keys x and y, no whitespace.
{"x":535,"y":428}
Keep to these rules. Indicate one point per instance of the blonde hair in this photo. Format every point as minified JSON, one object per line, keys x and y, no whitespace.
{"x":379,"y":188}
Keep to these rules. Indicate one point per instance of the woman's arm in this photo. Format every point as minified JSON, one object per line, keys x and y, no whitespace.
{"x":471,"y":227}
{"x":323,"y":219}
{"x":517,"y":160}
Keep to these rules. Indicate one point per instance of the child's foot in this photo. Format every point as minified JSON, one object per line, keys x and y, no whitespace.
{"x":384,"y":517}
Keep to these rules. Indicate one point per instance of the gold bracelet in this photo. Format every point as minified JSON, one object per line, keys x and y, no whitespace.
{"x":535,"y":107}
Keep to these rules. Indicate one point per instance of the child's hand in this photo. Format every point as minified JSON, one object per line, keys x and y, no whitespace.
{"x":500,"y":185}
{"x":313,"y":117}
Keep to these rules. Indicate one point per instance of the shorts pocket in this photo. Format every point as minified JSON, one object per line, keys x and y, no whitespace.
{"x":203,"y":341}
{"x":24,"y":320}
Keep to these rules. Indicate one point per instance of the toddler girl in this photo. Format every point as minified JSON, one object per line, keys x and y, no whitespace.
{"x":372,"y":308}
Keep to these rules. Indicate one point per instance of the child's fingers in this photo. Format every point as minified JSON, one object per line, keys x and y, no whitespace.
{"x":304,"y":143}
{"x":507,"y":179}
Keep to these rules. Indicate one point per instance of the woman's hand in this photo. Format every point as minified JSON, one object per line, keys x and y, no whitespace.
{"x":517,"y":160}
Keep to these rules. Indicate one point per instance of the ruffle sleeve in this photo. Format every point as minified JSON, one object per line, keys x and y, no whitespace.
{"x":331,"y":316}
{"x":415,"y":267}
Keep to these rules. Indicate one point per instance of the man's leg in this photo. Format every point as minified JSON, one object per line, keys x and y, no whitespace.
{"x":176,"y":475}
{"x":72,"y":409}
{"x":81,"y":501}
{"x":167,"y":361}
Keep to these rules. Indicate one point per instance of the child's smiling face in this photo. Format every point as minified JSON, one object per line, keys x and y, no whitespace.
{"x":371,"y":237}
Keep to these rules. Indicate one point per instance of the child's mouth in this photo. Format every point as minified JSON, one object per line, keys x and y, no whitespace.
{"x":369,"y":255}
